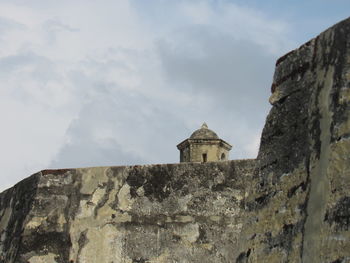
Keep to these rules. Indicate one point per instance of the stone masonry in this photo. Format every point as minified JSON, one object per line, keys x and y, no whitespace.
{"x":291,"y":204}
{"x":204,"y":145}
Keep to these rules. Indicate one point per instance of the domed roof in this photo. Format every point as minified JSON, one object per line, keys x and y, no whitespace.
{"x":204,"y":133}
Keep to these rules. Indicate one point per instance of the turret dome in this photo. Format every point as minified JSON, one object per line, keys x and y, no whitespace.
{"x":204,"y":133}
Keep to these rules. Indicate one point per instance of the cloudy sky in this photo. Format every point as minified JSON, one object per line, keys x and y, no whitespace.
{"x":95,"y":83}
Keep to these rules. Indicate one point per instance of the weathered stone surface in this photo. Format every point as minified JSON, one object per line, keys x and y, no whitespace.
{"x":301,"y":200}
{"x":186,"y":212}
{"x":291,"y":204}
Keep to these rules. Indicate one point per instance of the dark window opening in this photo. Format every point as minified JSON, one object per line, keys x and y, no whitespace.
{"x":204,"y":157}
{"x":223,"y":156}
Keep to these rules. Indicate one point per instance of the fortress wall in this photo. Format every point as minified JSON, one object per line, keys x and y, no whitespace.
{"x":188,"y":212}
{"x":301,"y":202}
{"x":292,"y":204}
{"x":15,"y":204}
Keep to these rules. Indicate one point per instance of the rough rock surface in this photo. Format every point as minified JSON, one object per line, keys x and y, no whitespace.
{"x":291,"y":204}
{"x":301,"y":199}
{"x":187,"y":212}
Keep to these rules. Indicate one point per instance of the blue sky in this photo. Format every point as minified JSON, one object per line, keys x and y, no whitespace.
{"x":307,"y":18}
{"x":87,"y":83}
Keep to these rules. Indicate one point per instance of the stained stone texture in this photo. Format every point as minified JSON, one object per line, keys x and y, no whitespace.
{"x":301,"y":202}
{"x":291,"y":204}
{"x":158,"y":213}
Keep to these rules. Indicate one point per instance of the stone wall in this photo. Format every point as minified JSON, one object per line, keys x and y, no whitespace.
{"x":213,"y":151}
{"x":187,"y":212}
{"x":299,"y":209}
{"x":291,"y":204}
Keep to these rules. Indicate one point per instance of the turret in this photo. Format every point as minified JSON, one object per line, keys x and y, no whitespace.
{"x":204,"y":145}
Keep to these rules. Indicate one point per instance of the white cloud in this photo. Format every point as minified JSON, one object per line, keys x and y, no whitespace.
{"x":253,"y":145}
{"x":85,"y":83}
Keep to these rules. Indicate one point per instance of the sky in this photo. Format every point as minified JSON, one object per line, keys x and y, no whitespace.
{"x":99,"y":83}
